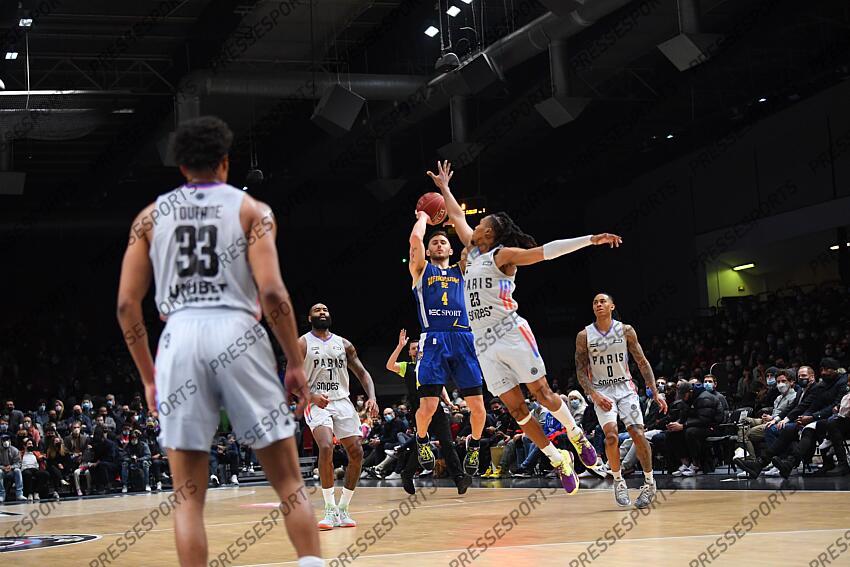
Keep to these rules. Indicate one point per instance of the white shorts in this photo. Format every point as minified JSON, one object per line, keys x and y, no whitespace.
{"x":509,"y":356}
{"x":211,"y":359}
{"x":339,"y":415}
{"x":626,"y":405}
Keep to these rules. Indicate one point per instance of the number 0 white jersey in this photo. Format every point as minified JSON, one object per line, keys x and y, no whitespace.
{"x":199,"y":250}
{"x":489,"y":292}
{"x":326,"y":365}
{"x":609,"y":356}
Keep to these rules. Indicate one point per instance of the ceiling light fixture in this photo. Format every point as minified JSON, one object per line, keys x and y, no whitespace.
{"x":453,"y":11}
{"x":431,"y":31}
{"x":11,"y":55}
{"x":744,"y":267}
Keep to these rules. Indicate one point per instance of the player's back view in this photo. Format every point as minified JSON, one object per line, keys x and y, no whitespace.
{"x":211,"y":251}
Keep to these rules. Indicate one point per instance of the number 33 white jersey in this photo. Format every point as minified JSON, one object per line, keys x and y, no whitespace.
{"x":199,"y":250}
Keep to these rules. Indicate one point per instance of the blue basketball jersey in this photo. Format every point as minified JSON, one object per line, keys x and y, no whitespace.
{"x":440,"y":299}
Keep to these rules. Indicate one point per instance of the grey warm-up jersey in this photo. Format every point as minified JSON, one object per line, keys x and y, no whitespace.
{"x":199,"y":251}
{"x":326,"y":365}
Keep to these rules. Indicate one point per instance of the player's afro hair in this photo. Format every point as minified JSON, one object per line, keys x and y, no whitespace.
{"x":202,"y":143}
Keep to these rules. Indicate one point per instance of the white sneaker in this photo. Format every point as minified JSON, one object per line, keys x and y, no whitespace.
{"x":65,"y":482}
{"x":739,"y":453}
{"x":826,"y":444}
{"x":772,"y":471}
{"x":29,"y":499}
{"x":165,"y":476}
{"x":681,"y":470}
{"x":330,"y":519}
{"x":234,"y":480}
{"x":79,"y":492}
{"x":425,"y":472}
{"x":36,"y":497}
{"x":343,"y":519}
{"x":392,"y":476}
{"x":147,"y":488}
{"x":214,"y":480}
{"x":742,"y":474}
{"x":250,"y":469}
{"x":689,"y":471}
{"x":364,"y":474}
{"x":390,"y":452}
{"x":56,"y":496}
{"x":123,"y":490}
{"x":159,"y":485}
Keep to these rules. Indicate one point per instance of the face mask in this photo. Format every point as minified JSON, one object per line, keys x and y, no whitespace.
{"x":709,"y":387}
{"x":782,"y":387}
{"x":109,"y":403}
{"x":58,"y":408}
{"x":4,"y":427}
{"x":87,"y":406}
{"x":27,"y":425}
{"x":771,"y":381}
{"x":802,"y":381}
{"x":76,"y":433}
{"x":126,"y":433}
{"x":42,"y":407}
{"x":359,"y":403}
{"x":389,"y":418}
{"x":575,"y":404}
{"x":662,"y":387}
{"x":6,"y":444}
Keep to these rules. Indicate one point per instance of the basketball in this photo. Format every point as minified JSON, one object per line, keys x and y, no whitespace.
{"x":434,"y":206}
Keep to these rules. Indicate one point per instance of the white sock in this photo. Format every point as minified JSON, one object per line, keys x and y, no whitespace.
{"x":618,"y":475}
{"x":345,"y":498}
{"x":648,"y":477}
{"x":554,"y":455}
{"x":328,"y":493}
{"x":311,"y":561}
{"x":563,"y":415}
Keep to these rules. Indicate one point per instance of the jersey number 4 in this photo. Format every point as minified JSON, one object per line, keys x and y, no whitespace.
{"x":196,"y":250}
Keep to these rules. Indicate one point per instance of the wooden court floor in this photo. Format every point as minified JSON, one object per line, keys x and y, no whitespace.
{"x":486,"y":527}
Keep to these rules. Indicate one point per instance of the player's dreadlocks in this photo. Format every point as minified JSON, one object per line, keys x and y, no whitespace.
{"x":509,"y":234}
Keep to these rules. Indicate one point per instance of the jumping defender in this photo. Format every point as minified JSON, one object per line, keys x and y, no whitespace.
{"x":210,"y":249}
{"x":504,"y":342}
{"x":446,"y":346}
{"x":602,"y":368}
{"x":327,"y":358}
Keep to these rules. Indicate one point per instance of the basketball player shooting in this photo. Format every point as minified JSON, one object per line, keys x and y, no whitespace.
{"x":327,"y":358}
{"x":602,"y":368}
{"x":507,"y":350}
{"x":210,"y":298}
{"x":446,"y":346}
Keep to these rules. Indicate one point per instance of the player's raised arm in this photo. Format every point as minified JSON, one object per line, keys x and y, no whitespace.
{"x":554,"y":249}
{"x":392,"y":361}
{"x":583,"y":373}
{"x":363,"y":375}
{"x":456,"y":215}
{"x":136,"y":271}
{"x":643,"y":364}
{"x":274,"y":297}
{"x":417,"y":246}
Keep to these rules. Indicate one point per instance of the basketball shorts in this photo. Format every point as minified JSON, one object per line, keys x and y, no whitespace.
{"x":509,"y":356}
{"x":209,"y":359}
{"x":339,"y":415}
{"x":445,"y":355}
{"x":626,"y":405}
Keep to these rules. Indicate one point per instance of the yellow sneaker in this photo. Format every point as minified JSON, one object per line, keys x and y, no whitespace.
{"x":565,"y":471}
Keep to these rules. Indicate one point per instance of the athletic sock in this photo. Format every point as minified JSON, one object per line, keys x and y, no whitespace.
{"x":648,"y":477}
{"x":345,"y":499}
{"x":328,"y":494}
{"x":563,"y":415}
{"x":554,"y":455}
{"x":618,"y":475}
{"x":311,"y":561}
{"x":422,"y":440}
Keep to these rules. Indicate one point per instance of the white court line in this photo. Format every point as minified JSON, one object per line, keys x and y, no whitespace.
{"x":623,"y":540}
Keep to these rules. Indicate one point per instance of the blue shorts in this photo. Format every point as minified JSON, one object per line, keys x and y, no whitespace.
{"x":448,"y":354}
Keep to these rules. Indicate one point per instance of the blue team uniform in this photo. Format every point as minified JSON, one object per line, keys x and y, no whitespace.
{"x":446,"y":346}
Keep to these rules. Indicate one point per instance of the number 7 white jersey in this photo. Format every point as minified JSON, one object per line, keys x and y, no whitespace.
{"x":326,"y":364}
{"x":199,"y":250}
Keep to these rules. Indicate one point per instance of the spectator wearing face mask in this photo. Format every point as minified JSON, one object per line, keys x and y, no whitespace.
{"x":108,"y":420}
{"x":33,"y":473}
{"x":79,"y":415}
{"x":10,"y":466}
{"x":105,"y":462}
{"x":58,"y":463}
{"x":159,"y":460}
{"x":40,"y":415}
{"x":764,"y":401}
{"x":686,"y":438}
{"x":32,"y":431}
{"x":4,"y":425}
{"x":13,"y":416}
{"x":577,"y":405}
{"x":137,"y":456}
{"x":654,"y":422}
{"x":75,"y":444}
{"x":61,"y":426}
{"x":710,"y":384}
{"x":816,"y":403}
{"x":753,"y":432}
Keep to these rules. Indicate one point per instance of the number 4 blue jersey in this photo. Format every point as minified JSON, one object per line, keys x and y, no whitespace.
{"x":440,"y":299}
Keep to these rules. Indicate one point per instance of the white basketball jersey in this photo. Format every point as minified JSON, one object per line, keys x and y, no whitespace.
{"x":609,"y":355}
{"x":489,"y":292}
{"x":327,"y":366}
{"x":199,"y":251}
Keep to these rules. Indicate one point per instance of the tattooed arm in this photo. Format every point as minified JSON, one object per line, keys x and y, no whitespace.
{"x":643,"y":364}
{"x":583,"y":373}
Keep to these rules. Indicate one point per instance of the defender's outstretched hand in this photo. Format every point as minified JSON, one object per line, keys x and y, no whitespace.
{"x":444,"y":175}
{"x":606,"y":238}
